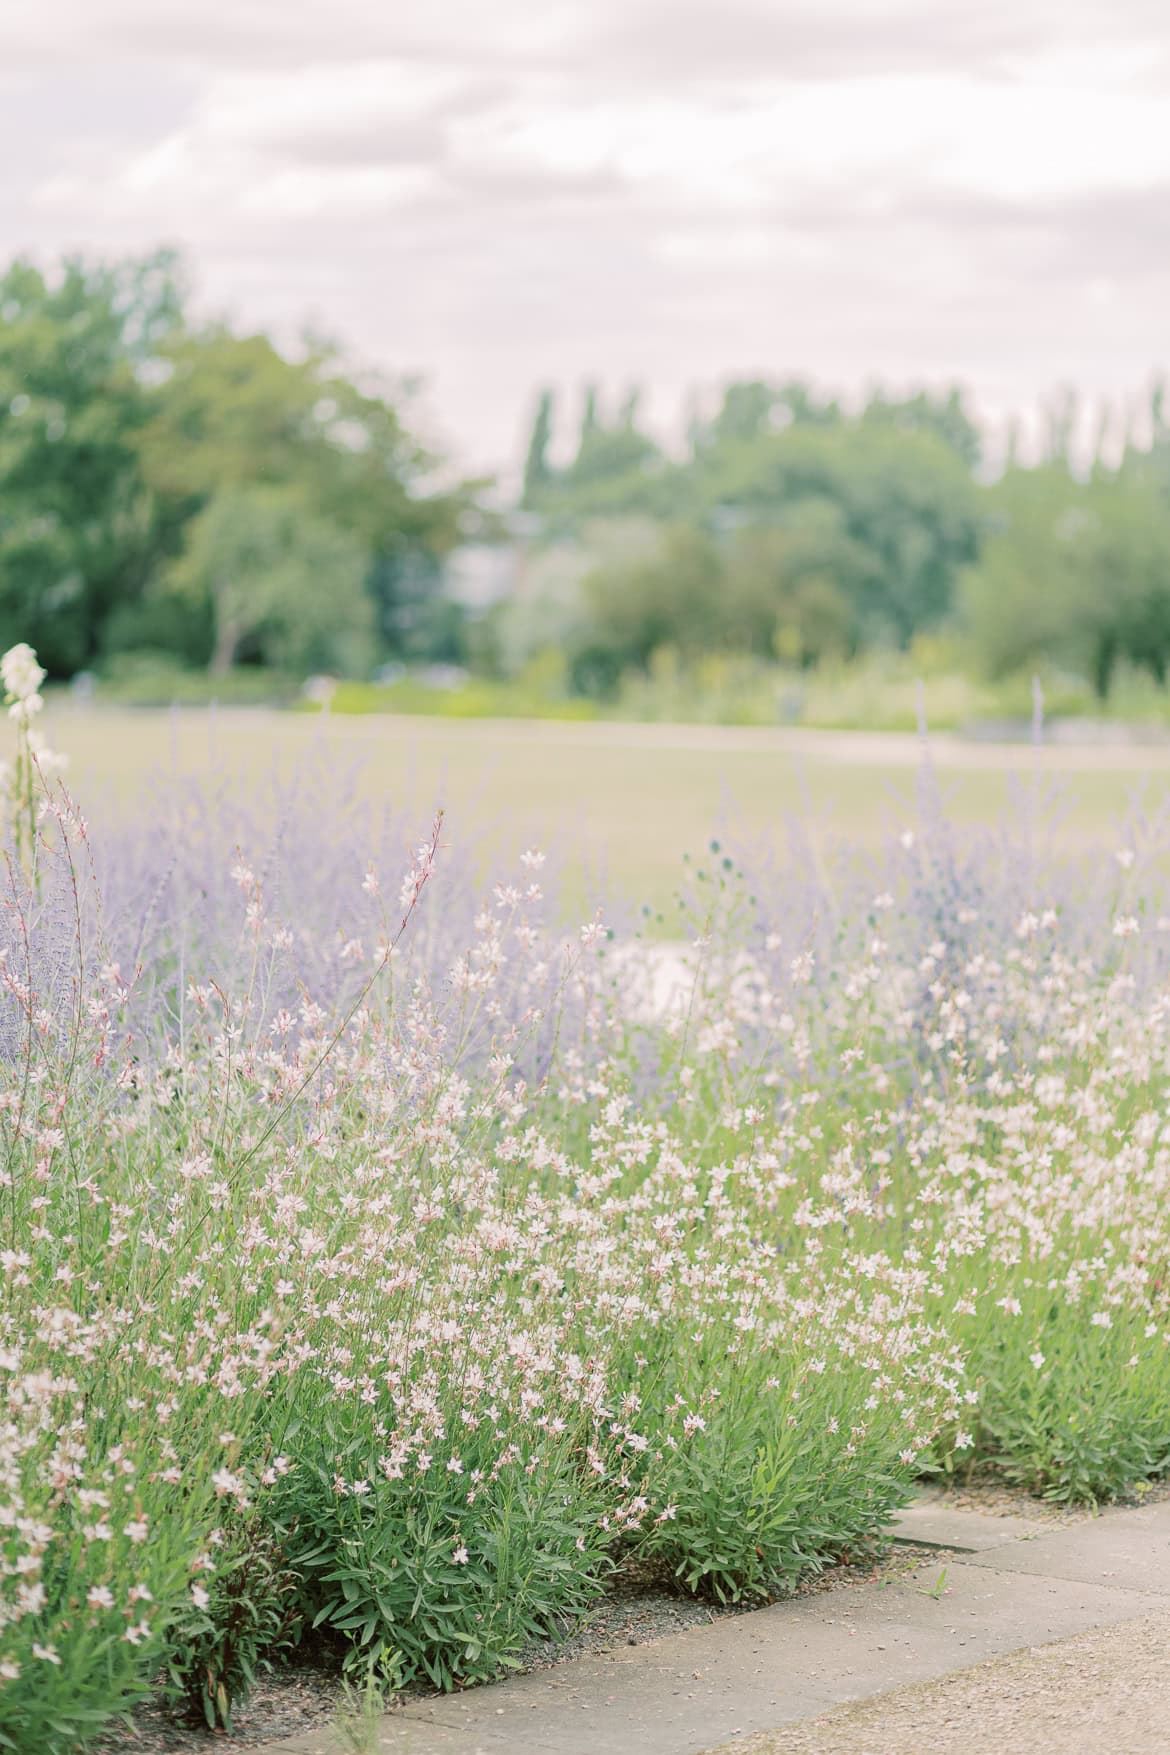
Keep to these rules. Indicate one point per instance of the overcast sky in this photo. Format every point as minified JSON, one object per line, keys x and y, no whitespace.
{"x":496,"y":193}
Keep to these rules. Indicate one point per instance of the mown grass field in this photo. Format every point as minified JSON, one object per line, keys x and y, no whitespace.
{"x":619,"y":805}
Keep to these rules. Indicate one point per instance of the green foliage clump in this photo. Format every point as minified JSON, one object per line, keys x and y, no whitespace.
{"x":243,"y":1617}
{"x":762,"y":1497}
{"x":453,"y":1583}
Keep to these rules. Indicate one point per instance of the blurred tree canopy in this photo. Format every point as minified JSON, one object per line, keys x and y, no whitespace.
{"x":797,"y":530}
{"x":792,"y":530}
{"x":617,"y":468}
{"x":77,"y":524}
{"x":134,"y":445}
{"x":903,"y":501}
{"x":1074,"y":572}
{"x":286,"y":586}
{"x":182,"y":488}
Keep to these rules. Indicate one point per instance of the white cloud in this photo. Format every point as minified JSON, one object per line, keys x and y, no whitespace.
{"x":658,"y":189}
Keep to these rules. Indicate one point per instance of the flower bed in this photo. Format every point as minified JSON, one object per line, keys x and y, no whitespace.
{"x":380,"y":1260}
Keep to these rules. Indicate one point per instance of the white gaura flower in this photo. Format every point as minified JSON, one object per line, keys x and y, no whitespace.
{"x":20,"y":673}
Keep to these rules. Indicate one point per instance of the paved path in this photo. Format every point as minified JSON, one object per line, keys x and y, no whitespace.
{"x":1103,"y":1693}
{"x":1009,"y":1585}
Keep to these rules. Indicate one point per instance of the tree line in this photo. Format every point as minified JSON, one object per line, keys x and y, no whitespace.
{"x":799,"y":531}
{"x":176,"y":487}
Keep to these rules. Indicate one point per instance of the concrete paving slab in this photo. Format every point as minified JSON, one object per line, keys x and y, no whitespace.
{"x":1103,"y":1693}
{"x":798,"y":1660}
{"x":1128,"y":1549}
{"x":681,"y":1694}
{"x":964,"y":1532}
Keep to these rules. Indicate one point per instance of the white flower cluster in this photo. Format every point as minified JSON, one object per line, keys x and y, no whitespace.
{"x":22,"y":677}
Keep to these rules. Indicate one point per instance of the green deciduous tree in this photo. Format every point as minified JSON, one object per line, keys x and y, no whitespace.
{"x":1074,"y":572}
{"x":618,"y":469}
{"x":787,"y":589}
{"x":235,"y":413}
{"x":753,"y":408}
{"x":632,"y":608}
{"x":286,"y":586}
{"x":903,"y":499}
{"x":775,"y":592}
{"x":120,"y":426}
{"x":77,"y":531}
{"x":943,"y":415}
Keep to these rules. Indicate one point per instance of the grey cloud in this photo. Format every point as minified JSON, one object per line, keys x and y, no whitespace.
{"x":254,"y":35}
{"x":652,"y":42}
{"x":1119,"y":232}
{"x":243,"y":35}
{"x":534,"y":188}
{"x":740,"y":40}
{"x":660,"y":42}
{"x":388,"y":140}
{"x":421,"y":141}
{"x":1108,"y":232}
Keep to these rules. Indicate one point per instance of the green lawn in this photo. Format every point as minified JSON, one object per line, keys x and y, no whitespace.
{"x":620,"y":803}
